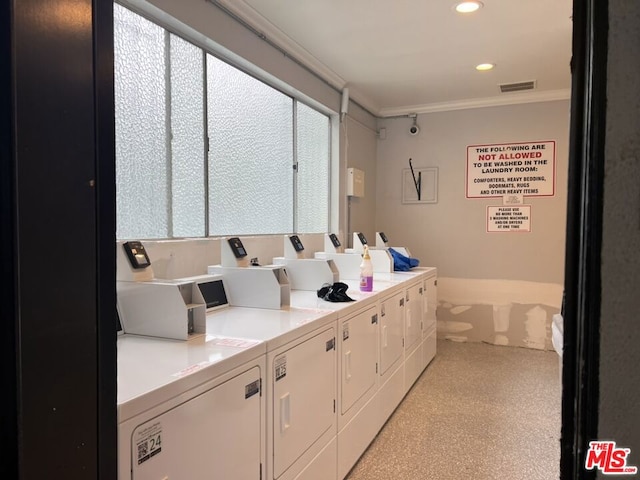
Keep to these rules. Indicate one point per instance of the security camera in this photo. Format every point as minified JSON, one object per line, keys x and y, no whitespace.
{"x":414,"y":129}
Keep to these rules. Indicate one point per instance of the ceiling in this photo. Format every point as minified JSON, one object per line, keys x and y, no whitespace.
{"x":414,"y":56}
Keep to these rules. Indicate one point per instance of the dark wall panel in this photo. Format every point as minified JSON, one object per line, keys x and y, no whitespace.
{"x":63,"y":148}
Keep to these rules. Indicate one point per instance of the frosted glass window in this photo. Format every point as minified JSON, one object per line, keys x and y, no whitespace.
{"x":140,"y":116}
{"x":187,"y":139}
{"x":312,"y":188}
{"x":250,"y":128}
{"x":209,"y":153}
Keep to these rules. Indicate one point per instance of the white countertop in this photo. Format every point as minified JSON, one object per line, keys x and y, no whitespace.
{"x":414,"y":273}
{"x":381,"y":287}
{"x":273,"y":327}
{"x":154,"y":370}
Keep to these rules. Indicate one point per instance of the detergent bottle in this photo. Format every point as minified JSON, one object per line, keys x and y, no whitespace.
{"x":366,"y":272}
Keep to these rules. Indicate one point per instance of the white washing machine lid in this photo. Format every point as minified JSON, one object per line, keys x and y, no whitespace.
{"x":152,"y":370}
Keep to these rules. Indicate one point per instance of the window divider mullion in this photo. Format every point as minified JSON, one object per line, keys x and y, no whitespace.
{"x":168,"y":131}
{"x":205,"y":134}
{"x":296,"y":166}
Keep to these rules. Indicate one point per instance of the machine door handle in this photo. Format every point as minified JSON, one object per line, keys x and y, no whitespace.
{"x":285,"y":412}
{"x":347,"y":369}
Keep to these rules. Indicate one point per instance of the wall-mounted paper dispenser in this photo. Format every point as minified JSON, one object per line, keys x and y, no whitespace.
{"x":355,"y":182}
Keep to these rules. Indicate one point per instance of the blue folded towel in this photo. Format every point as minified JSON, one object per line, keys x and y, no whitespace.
{"x":402,"y":263}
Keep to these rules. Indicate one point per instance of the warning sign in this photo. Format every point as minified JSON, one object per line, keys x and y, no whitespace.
{"x":509,"y":218}
{"x":499,"y":170}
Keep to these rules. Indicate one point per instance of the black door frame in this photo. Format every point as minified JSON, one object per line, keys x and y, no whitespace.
{"x":581,"y":306}
{"x":17,"y":21}
{"x":57,"y":237}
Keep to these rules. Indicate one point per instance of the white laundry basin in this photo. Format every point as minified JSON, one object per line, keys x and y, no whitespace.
{"x":557,"y":331}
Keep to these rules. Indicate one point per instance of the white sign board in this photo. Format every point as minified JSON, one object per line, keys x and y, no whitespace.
{"x":420,"y":185}
{"x":500,"y":170}
{"x":506,"y":218}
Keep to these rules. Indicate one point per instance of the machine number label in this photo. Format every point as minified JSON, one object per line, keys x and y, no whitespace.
{"x":331,"y":344}
{"x":148,"y":442}
{"x":251,"y":389}
{"x":281,"y":367}
{"x":345,"y":332}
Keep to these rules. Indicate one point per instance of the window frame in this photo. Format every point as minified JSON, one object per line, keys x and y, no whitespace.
{"x":205,"y":47}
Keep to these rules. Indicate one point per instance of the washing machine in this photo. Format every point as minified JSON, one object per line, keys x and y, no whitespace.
{"x":302,"y":405}
{"x":357,"y":385}
{"x":299,"y":388}
{"x":190,"y":409}
{"x":429,"y":339}
{"x":391,"y":351}
{"x":413,"y":334}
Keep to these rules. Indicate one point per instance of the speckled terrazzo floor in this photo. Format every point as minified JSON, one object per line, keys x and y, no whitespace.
{"x":478,"y":412}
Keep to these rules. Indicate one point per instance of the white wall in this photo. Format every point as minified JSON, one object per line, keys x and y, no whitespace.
{"x":360,"y":144}
{"x":496,"y":287}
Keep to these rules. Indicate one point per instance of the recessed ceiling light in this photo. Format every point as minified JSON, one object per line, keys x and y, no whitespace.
{"x":483,"y":67}
{"x":468,"y":7}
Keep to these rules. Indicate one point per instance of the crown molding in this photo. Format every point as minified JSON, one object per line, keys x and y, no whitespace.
{"x":272,"y":34}
{"x":269,"y":32}
{"x":506,"y":99}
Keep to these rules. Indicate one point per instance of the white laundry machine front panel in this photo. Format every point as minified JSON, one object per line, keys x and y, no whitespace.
{"x":215,"y":435}
{"x":304,"y":394}
{"x":430,"y":306}
{"x":430,"y":298}
{"x":413,"y":364}
{"x":391,"y":331}
{"x":413,"y":317}
{"x":429,"y":347}
{"x":358,"y":351}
